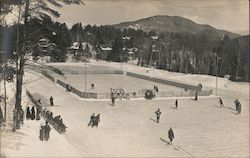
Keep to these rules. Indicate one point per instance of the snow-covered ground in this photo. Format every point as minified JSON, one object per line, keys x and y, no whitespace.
{"x":128,"y":129}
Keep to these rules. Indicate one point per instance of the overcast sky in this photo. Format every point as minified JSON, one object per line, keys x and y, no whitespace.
{"x":232,"y":15}
{"x":223,"y":14}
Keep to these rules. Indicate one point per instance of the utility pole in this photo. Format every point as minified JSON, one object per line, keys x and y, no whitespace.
{"x":5,"y":95}
{"x":217,"y":60}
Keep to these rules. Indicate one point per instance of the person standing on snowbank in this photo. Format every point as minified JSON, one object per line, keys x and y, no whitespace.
{"x":28,"y":113}
{"x":170,"y":135}
{"x":33,"y":113}
{"x":47,"y":131}
{"x":158,"y":113}
{"x":42,"y":132}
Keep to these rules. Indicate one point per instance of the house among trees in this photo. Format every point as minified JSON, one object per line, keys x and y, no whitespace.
{"x":81,"y":50}
{"x":102,"y":51}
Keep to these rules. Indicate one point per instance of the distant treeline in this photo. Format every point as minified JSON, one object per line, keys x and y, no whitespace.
{"x":201,"y":53}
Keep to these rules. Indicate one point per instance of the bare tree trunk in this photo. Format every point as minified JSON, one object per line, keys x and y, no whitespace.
{"x":5,"y":99}
{"x":20,"y":69}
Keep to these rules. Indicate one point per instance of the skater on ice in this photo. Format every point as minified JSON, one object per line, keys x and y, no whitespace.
{"x":170,"y":136}
{"x":113,"y":99}
{"x":196,"y":96}
{"x":221,"y":103}
{"x":96,"y":121}
{"x":238,"y":106}
{"x":92,"y":86}
{"x":158,"y":113}
{"x":92,"y":117}
{"x":176,"y":104}
{"x":156,"y":88}
{"x":51,"y":99}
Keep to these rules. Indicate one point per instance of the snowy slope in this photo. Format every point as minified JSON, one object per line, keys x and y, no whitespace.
{"x":128,"y":129}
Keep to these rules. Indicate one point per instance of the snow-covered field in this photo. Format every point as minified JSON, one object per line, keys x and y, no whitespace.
{"x":128,"y":129}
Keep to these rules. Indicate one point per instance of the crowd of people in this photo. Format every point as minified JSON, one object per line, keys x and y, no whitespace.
{"x":33,"y":113}
{"x":56,"y":121}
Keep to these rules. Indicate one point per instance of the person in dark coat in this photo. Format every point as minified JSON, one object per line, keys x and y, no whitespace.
{"x":33,"y":113}
{"x":28,"y":113}
{"x":42,"y":132}
{"x":56,"y":119}
{"x":158,"y":114}
{"x":68,"y":88}
{"x":176,"y":104}
{"x":171,"y":135}
{"x":92,"y":86}
{"x":221,"y":103}
{"x":236,"y":102}
{"x":47,"y":131}
{"x":96,"y":121}
{"x":92,"y":117}
{"x":1,"y":117}
{"x":239,"y":108}
{"x":113,"y":99}
{"x":21,"y":116}
{"x":38,"y":114}
{"x":51,"y":99}
{"x":196,"y":96}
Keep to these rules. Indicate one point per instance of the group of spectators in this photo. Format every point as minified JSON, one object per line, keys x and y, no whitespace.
{"x":56,"y":121}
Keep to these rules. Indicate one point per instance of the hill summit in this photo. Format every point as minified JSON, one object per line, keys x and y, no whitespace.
{"x":164,"y":23}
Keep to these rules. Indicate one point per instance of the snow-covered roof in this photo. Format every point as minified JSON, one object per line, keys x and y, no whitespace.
{"x":106,"y":48}
{"x":154,"y":37}
{"x":130,"y":52}
{"x":75,"y":45}
{"x":43,"y":40}
{"x":126,"y":37}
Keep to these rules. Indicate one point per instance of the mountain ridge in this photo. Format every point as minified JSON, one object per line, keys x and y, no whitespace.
{"x":165,"y":23}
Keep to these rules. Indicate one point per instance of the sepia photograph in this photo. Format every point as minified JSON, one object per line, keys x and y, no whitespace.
{"x":124,"y":79}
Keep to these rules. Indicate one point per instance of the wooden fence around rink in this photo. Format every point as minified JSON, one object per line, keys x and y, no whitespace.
{"x":45,"y":73}
{"x":165,"y":81}
{"x":190,"y":89}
